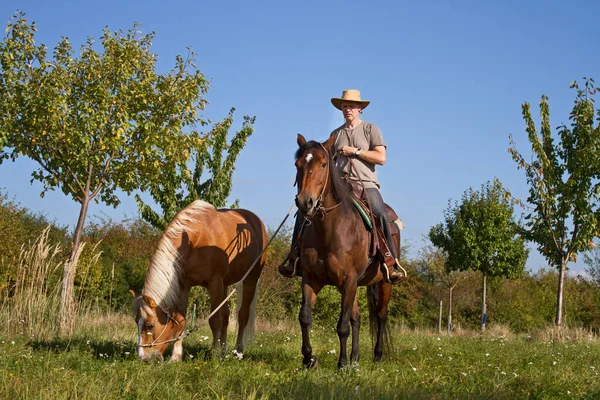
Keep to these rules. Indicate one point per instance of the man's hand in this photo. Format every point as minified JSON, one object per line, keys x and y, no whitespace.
{"x":348,"y":150}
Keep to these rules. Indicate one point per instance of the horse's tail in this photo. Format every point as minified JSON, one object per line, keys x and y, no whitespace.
{"x":250,"y":326}
{"x":374,"y":319}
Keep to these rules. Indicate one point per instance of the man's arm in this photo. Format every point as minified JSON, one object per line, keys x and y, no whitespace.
{"x":373,"y":156}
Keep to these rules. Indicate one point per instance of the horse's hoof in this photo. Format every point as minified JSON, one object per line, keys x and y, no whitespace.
{"x":312,"y":364}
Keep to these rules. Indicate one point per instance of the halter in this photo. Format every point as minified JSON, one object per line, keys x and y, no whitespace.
{"x":154,"y":342}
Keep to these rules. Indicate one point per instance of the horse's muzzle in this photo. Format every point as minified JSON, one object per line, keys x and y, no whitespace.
{"x":307,"y":205}
{"x":149,"y":355}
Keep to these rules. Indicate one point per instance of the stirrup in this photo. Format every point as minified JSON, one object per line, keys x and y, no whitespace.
{"x":284,"y":268}
{"x":400,"y":269}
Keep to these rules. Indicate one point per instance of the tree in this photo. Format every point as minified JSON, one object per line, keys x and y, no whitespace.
{"x":592,"y":260}
{"x":563,"y":184}
{"x":98,"y":122}
{"x":182,"y":186}
{"x":436,"y":264}
{"x":480,"y":234}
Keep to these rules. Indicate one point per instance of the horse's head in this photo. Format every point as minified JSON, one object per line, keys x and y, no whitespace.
{"x":157,"y":328}
{"x":313,"y":165}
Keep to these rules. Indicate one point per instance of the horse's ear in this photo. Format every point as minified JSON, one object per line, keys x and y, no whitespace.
{"x":134,"y":293}
{"x":150,"y":301}
{"x":329,"y":143}
{"x":301,"y":141}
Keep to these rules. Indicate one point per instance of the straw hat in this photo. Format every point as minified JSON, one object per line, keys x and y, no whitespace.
{"x":349,"y":95}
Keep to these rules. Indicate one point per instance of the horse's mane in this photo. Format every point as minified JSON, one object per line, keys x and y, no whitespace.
{"x":340,"y":188}
{"x":164,"y":273}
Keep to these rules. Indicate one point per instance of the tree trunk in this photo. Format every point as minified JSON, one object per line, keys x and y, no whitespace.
{"x":559,"y":294}
{"x":66,"y":312}
{"x":483,"y":305}
{"x":450,"y":310}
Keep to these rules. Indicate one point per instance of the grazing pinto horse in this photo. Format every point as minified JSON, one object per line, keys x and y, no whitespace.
{"x":206,"y":247}
{"x":334,"y":250}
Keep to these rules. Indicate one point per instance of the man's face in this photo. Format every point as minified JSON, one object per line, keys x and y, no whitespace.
{"x":350,"y":109}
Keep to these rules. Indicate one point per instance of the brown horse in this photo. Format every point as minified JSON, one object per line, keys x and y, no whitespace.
{"x":335,"y":251}
{"x":206,"y":247}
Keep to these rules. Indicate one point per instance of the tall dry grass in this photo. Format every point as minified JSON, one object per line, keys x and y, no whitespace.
{"x":30,"y":301}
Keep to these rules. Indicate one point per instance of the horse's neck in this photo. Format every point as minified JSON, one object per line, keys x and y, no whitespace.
{"x":340,"y":212}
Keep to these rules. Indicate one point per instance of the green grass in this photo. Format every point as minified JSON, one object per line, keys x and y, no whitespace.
{"x":101,"y":363}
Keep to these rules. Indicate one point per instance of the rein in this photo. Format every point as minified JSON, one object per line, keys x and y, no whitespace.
{"x":184,"y":334}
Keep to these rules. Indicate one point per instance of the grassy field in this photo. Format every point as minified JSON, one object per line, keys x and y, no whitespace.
{"x":100,"y":362}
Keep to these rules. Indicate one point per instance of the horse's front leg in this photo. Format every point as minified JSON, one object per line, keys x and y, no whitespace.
{"x":309,"y":296}
{"x":179,"y":319}
{"x":384,"y":295}
{"x":355,"y":323}
{"x":348,"y":290}
{"x":177,"y":354}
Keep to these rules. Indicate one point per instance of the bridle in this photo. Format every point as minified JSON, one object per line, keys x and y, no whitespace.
{"x":319,"y":208}
{"x":155,"y":341}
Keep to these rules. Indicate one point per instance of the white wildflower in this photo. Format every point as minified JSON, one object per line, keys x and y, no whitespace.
{"x":414,"y":369}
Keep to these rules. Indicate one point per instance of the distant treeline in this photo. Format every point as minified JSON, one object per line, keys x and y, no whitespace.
{"x":126,"y":247}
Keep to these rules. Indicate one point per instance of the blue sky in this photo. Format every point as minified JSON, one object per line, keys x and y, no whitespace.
{"x":446,"y":82}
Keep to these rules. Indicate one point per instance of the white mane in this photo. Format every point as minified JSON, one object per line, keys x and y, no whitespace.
{"x":163,"y":275}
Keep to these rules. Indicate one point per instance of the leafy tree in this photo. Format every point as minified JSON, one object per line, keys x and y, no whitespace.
{"x":480,"y":234}
{"x":592,"y":260}
{"x":181,"y":186}
{"x":96,"y":123}
{"x":436,"y":264}
{"x":563,"y":183}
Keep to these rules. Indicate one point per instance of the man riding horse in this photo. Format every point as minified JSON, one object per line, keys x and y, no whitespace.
{"x":359,"y":146}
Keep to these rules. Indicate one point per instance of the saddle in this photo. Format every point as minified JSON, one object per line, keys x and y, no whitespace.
{"x":379,"y":247}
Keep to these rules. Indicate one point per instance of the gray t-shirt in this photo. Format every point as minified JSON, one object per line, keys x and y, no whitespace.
{"x":365,"y":136}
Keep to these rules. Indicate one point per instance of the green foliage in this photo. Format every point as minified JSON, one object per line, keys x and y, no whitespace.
{"x":20,"y":229}
{"x":126,"y":248}
{"x":563,"y":179}
{"x":183,"y":186}
{"x":96,"y":123}
{"x":592,"y":260}
{"x":480,"y":233}
{"x":524,"y":304}
{"x":101,"y":121}
{"x":564,"y":186}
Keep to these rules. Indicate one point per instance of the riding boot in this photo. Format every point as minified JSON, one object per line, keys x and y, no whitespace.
{"x":394,"y":273}
{"x":290,"y":266}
